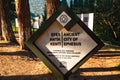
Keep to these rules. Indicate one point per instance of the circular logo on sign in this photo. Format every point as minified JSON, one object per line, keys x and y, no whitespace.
{"x":63,"y":18}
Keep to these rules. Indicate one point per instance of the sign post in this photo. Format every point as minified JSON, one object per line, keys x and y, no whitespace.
{"x":64,"y":43}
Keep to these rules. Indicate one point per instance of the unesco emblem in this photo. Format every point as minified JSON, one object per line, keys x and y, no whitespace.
{"x":63,"y":18}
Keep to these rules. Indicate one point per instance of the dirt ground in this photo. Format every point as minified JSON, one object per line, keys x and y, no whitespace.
{"x":23,"y":65}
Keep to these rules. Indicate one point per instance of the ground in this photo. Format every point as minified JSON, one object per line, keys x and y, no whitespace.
{"x":24,"y":65}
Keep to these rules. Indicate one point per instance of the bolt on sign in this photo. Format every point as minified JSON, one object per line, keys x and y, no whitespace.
{"x":64,"y":43}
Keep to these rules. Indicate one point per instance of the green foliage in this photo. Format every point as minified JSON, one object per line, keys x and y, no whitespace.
{"x":118,"y":65}
{"x":15,"y":29}
{"x":12,"y":9}
{"x":107,"y":23}
{"x":106,"y":20}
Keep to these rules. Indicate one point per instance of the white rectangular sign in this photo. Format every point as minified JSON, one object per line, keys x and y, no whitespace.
{"x":88,"y":19}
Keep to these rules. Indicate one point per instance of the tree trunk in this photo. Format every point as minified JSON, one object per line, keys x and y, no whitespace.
{"x":24,"y":24}
{"x":0,"y":27}
{"x":51,"y":7}
{"x":7,"y":32}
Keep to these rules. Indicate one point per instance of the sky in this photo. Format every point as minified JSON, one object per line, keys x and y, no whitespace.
{"x":37,"y":6}
{"x":68,"y":1}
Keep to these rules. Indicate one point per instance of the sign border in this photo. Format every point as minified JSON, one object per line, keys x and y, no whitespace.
{"x":44,"y":27}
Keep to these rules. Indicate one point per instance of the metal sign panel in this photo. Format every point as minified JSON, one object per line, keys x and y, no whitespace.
{"x":64,"y":43}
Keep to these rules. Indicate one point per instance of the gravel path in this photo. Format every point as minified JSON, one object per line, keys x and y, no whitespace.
{"x":23,"y":65}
